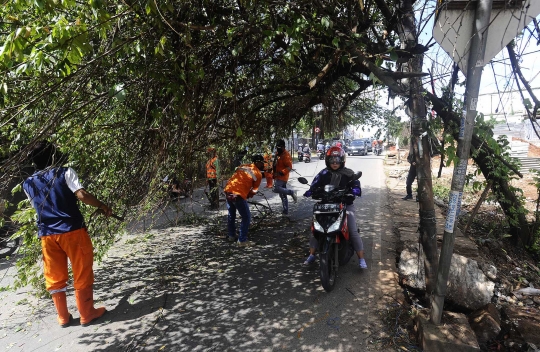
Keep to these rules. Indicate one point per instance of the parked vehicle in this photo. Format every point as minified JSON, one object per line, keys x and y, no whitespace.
{"x":307,"y":157}
{"x":320,"y":154}
{"x":329,"y":227}
{"x":358,"y":146}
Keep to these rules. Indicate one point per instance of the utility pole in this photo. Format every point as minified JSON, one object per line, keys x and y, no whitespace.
{"x":474,"y":74}
{"x":420,"y":146}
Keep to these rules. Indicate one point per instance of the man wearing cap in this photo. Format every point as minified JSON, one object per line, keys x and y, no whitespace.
{"x":243,"y":184}
{"x":282,"y":168}
{"x":212,"y":174}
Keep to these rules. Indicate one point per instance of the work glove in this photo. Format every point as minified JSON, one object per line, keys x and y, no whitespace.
{"x":356,"y":191}
{"x":307,"y":194}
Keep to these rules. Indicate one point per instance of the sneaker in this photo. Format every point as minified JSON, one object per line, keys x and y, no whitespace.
{"x":245,"y":244}
{"x":362,"y":263}
{"x":232,"y":239}
{"x":294,"y":197}
{"x":309,"y":260}
{"x":407,"y":197}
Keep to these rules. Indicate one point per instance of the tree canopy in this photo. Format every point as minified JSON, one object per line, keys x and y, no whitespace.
{"x":134,"y":90}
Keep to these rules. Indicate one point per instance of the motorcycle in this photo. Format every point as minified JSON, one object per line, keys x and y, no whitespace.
{"x":320,"y":154}
{"x":329,"y":227}
{"x":307,"y":157}
{"x":300,"y":156}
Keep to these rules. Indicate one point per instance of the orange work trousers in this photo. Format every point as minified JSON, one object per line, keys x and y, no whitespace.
{"x":75,"y":245}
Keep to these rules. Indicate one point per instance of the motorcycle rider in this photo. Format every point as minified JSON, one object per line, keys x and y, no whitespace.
{"x":307,"y":150}
{"x":320,"y":146}
{"x":338,"y":175}
{"x":300,"y":151}
{"x":327,"y":147}
{"x":243,"y":184}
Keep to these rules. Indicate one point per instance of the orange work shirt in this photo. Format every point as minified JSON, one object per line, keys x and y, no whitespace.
{"x":245,"y":181}
{"x":282,"y":163}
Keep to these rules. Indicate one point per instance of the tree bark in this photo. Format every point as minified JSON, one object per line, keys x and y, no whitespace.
{"x":420,"y":144}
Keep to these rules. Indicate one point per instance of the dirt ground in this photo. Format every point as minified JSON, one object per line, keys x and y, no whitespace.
{"x":516,"y":267}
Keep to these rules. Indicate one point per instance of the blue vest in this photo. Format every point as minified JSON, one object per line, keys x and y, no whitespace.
{"x":55,"y":203}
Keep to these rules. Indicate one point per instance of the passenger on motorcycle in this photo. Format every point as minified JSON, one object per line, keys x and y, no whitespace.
{"x":338,"y":175}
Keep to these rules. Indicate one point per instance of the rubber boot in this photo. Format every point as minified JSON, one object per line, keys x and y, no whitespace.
{"x":85,"y":304}
{"x":63,"y":317}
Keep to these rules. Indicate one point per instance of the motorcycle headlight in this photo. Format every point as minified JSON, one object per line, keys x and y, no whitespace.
{"x":335,"y":225}
{"x":317,"y":226}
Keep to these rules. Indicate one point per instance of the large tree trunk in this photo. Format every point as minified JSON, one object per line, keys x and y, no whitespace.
{"x":420,"y":145}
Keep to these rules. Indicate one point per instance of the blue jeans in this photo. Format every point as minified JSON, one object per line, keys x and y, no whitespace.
{"x":243,"y":209}
{"x":280,"y":187}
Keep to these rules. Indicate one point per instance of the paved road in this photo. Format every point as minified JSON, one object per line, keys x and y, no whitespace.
{"x":184,"y":289}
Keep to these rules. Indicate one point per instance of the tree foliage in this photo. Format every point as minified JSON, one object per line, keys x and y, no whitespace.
{"x":135,"y":90}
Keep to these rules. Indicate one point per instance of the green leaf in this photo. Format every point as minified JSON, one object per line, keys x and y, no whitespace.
{"x":228,"y":94}
{"x":527,"y":103}
{"x":393,"y":55}
{"x":16,"y":189}
{"x":239,"y":132}
{"x":325,"y":22}
{"x":335,"y":42}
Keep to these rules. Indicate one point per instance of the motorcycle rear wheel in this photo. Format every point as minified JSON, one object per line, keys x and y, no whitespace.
{"x":328,"y":269}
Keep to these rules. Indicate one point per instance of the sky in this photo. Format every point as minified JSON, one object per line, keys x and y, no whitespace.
{"x":498,"y":91}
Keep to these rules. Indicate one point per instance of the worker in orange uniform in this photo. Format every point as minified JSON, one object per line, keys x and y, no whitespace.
{"x":53,"y":191}
{"x":268,"y":163}
{"x":281,"y":169}
{"x":243,"y":184}
{"x":212,"y":175}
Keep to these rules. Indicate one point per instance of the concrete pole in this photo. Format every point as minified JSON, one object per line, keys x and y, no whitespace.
{"x":475,"y":65}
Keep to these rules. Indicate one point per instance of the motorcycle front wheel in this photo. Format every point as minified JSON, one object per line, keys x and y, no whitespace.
{"x":328,"y":268}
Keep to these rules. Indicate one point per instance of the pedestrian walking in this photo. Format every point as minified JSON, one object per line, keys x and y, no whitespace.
{"x":281,"y":170}
{"x":53,"y":191}
{"x":243,"y":184}
{"x":410,"y":177}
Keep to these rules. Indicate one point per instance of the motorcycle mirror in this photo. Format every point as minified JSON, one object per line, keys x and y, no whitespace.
{"x":357,"y":175}
{"x":303,"y":180}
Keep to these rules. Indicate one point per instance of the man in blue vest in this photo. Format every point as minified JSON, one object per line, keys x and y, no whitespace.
{"x":53,"y":192}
